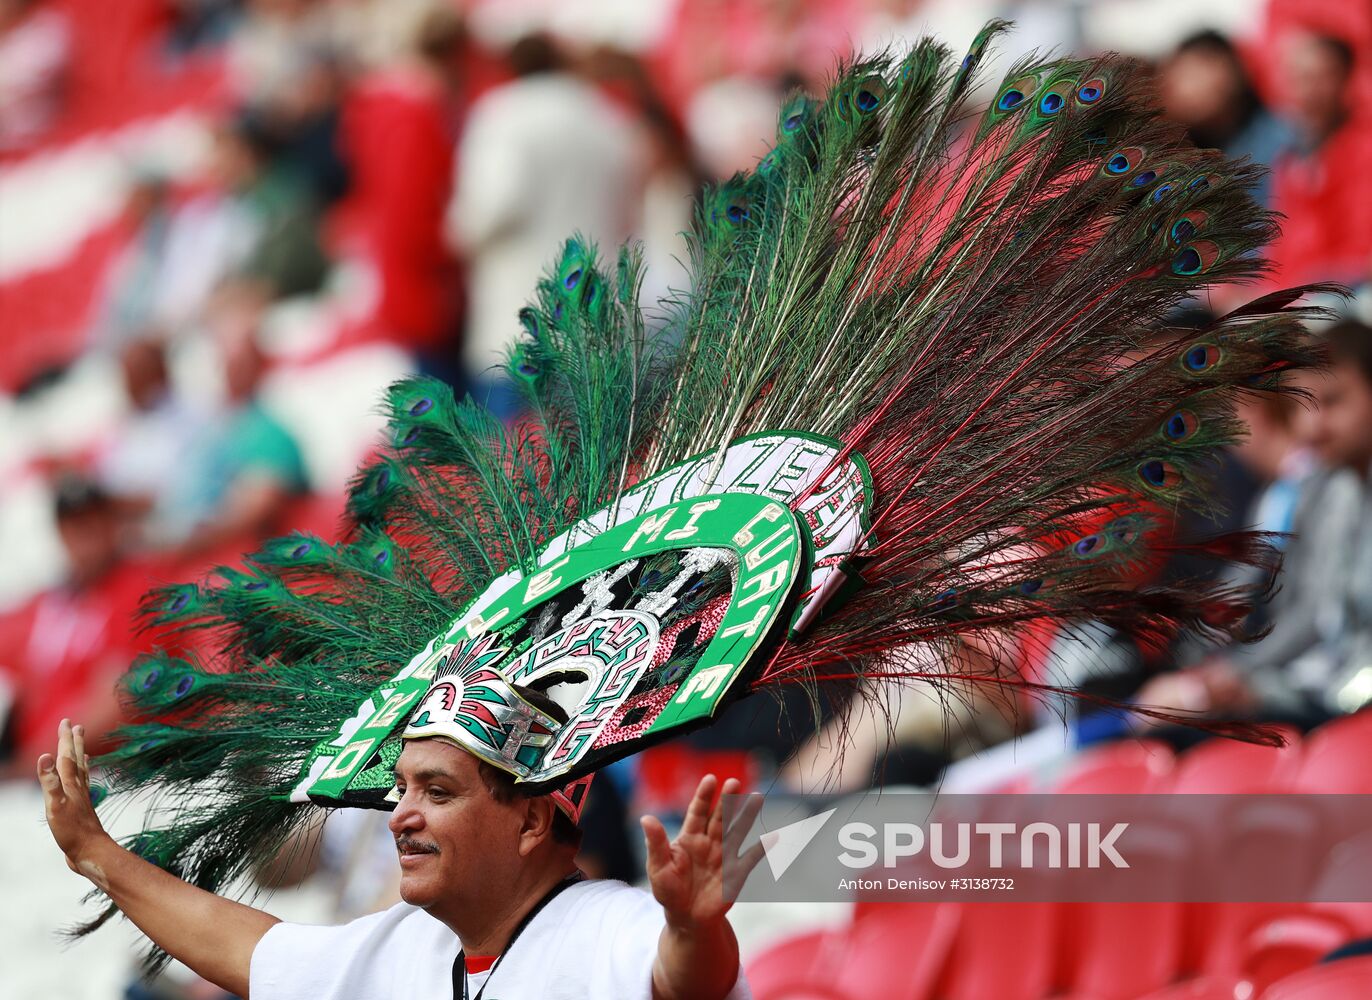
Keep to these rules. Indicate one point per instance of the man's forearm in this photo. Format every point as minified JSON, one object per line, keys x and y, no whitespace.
{"x":214,"y":936}
{"x":696,"y":963}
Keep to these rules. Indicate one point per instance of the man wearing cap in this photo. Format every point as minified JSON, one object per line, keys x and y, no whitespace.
{"x":494,"y":906}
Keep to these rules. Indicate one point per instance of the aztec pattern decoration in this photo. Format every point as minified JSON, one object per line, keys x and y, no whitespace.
{"x":646,"y":613}
{"x":923,"y":402}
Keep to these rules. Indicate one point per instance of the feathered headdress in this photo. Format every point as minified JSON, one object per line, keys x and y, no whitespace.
{"x":924,"y":387}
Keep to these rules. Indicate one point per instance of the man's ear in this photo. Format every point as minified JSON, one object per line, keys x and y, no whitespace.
{"x":537,"y":823}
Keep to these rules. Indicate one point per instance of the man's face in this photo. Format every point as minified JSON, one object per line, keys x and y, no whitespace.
{"x":1199,"y":87}
{"x":1314,"y":80}
{"x":455,"y":840}
{"x":1341,"y":431}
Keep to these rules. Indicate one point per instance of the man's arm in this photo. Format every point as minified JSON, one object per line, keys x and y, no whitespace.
{"x":697,"y":954}
{"x":215,"y":937}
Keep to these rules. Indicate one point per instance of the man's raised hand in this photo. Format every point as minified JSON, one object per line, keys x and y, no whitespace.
{"x":687,"y":875}
{"x":67,"y":799}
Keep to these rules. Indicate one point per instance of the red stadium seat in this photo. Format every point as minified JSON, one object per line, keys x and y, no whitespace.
{"x":1334,"y":758}
{"x":1346,"y":979}
{"x":1345,"y":886}
{"x":1228,"y":767}
{"x":1259,"y":829}
{"x":785,"y":970}
{"x":897,"y":950}
{"x":1288,"y":944}
{"x":1113,"y":951}
{"x":1003,"y":950}
{"x":894,"y":951}
{"x":1208,"y":988}
{"x":1134,"y":767}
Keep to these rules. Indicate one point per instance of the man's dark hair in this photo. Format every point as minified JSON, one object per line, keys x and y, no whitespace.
{"x":1212,"y":43}
{"x":76,"y":496}
{"x":1350,"y":342}
{"x":1339,"y":48}
{"x":501,"y":783}
{"x":533,"y":54}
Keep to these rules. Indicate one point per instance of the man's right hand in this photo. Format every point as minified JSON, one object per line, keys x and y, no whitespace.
{"x":67,"y":799}
{"x":214,"y":936}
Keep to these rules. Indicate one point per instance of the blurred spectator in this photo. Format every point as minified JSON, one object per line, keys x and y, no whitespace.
{"x":241,"y":467}
{"x":303,"y":123}
{"x":197,"y":24}
{"x":1205,"y":86}
{"x":63,"y":652}
{"x":35,"y":47}
{"x":1320,"y":184}
{"x":1345,"y":436}
{"x":1319,"y":620}
{"x":401,"y":129}
{"x":673,"y":175}
{"x":273,"y":47}
{"x":128,"y":301}
{"x":543,"y":157}
{"x":256,"y":225}
{"x":146,"y":454}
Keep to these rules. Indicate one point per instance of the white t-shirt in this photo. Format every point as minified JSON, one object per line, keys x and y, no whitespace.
{"x":597,"y":939}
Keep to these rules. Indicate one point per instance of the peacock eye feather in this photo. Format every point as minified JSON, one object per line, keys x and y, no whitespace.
{"x":1159,"y":474}
{"x":411,"y":436}
{"x":1091,"y":91}
{"x":1123,"y":161}
{"x":1017,"y":94}
{"x":1180,"y":425}
{"x":1086,"y":546}
{"x":1144,"y":178}
{"x":1051,"y":103}
{"x":301,"y":550}
{"x":1161,"y":192}
{"x":1124,"y":531}
{"x":1201,"y":358}
{"x":1194,"y":259}
{"x":421,"y":407}
{"x":572,"y":280}
{"x":183,"y":686}
{"x":1030,"y":587}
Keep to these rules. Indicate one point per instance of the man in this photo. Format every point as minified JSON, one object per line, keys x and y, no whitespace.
{"x":487,"y":878}
{"x":541,"y":157}
{"x":61,"y":653}
{"x":1318,"y":186}
{"x":1307,"y":665}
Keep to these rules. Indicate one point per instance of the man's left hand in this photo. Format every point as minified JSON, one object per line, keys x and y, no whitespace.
{"x":687,"y":874}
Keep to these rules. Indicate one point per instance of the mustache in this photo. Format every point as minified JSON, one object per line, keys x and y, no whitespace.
{"x":415,"y":846}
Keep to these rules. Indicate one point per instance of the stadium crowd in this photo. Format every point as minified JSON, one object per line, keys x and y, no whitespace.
{"x":226,"y":224}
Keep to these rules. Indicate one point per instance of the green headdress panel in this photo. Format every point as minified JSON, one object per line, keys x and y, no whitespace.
{"x":639,"y":621}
